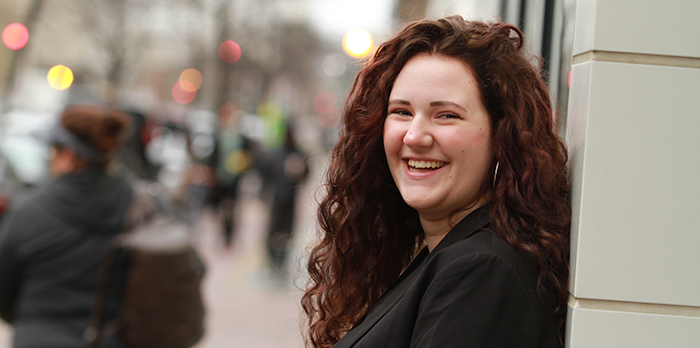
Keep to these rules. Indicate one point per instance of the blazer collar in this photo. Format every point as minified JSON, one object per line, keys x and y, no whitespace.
{"x":469,"y":225}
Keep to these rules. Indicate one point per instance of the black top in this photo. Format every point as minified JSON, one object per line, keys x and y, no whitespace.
{"x":473,"y":290}
{"x":51,"y":247}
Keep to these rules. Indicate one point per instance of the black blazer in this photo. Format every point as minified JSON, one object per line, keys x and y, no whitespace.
{"x":473,"y":290}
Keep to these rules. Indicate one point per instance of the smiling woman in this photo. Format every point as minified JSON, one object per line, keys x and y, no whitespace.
{"x":437,"y":140}
{"x":446,"y":217}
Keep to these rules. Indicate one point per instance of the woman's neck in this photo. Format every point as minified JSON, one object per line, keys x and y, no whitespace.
{"x":436,"y":228}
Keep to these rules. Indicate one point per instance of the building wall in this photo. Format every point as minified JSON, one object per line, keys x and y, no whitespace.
{"x":632,"y":131}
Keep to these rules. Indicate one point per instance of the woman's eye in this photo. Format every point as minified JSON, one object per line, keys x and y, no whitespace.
{"x":449,"y":116}
{"x":401,"y":112}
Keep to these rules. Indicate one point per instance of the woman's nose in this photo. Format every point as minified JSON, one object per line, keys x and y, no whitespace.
{"x":418,"y":134}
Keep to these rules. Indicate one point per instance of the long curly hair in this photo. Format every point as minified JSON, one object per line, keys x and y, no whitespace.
{"x":370,"y":235}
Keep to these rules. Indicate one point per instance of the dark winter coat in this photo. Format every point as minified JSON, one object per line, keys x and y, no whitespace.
{"x":51,"y":247}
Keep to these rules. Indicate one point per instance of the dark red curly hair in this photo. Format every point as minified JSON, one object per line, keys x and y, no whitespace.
{"x":370,"y":234}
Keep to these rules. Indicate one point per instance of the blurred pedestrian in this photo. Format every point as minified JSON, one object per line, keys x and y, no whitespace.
{"x":284,"y":172}
{"x":232,"y":159}
{"x":200,"y":176}
{"x":52,"y":245}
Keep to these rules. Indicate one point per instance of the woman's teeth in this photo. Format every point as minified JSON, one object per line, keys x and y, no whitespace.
{"x":424,"y":165}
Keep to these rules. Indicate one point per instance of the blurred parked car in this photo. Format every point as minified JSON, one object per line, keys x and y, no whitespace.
{"x":167,"y":150}
{"x":26,"y":155}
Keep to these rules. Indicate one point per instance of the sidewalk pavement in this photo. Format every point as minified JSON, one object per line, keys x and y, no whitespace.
{"x":248,"y":305}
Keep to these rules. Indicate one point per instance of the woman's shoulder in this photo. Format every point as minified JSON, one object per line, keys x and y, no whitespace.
{"x":486,"y":254}
{"x":483,"y":276}
{"x":483,"y":244}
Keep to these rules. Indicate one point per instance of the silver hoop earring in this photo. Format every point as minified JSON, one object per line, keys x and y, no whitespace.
{"x":495,"y":174}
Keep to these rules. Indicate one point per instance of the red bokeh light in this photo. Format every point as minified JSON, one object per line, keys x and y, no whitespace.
{"x":328,"y":121}
{"x":181,"y":94}
{"x":327,"y":108}
{"x":325,"y":102}
{"x":15,"y":36}
{"x":229,"y":51}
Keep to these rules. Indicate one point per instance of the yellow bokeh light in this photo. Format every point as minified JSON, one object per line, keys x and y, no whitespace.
{"x":357,"y":43}
{"x":60,"y":77}
{"x":194,"y":77}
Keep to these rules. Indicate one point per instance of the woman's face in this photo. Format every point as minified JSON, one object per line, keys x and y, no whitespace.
{"x":437,"y":137}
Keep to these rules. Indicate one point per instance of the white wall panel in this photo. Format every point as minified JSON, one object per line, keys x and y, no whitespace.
{"x":650,"y":27}
{"x":635,"y":143}
{"x":584,"y":34}
{"x":576,"y":141}
{"x":608,"y":329}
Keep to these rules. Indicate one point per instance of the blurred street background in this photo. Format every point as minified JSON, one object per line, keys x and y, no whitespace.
{"x":187,"y":72}
{"x":248,"y":304}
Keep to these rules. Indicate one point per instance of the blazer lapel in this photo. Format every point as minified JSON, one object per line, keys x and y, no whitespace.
{"x":469,"y":225}
{"x":385,"y":303}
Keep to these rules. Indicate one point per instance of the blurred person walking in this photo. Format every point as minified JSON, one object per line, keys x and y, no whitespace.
{"x":232,"y":159}
{"x":284,"y":172}
{"x":199,"y":180}
{"x":52,"y":245}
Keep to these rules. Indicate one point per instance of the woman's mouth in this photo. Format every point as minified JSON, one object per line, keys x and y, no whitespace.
{"x":424,"y":166}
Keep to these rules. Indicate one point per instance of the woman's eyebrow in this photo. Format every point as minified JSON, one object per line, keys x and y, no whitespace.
{"x":432,"y":104}
{"x":399,"y":101}
{"x":442,"y":103}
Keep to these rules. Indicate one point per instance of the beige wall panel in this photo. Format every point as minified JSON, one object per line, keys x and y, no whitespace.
{"x":651,"y":27}
{"x":608,"y":329}
{"x":635,"y":155}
